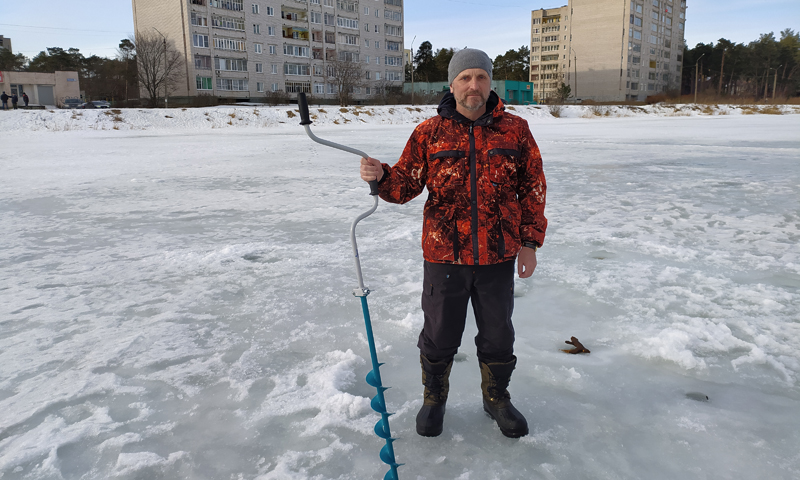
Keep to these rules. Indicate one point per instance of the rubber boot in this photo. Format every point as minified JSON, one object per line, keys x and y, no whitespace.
{"x":497,"y":401}
{"x":436,"y":379}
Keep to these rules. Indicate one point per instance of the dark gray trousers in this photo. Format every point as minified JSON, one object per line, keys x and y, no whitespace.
{"x":446,"y":291}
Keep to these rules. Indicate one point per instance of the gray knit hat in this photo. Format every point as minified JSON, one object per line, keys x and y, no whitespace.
{"x":468,"y":58}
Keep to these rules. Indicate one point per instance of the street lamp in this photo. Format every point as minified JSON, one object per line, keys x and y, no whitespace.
{"x":695,"y":77}
{"x":166,"y":93}
{"x":575,"y":55}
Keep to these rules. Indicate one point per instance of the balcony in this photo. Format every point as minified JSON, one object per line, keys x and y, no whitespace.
{"x":295,"y":33}
{"x":294,"y":15}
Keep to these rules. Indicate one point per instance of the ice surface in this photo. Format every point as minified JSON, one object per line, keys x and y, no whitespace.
{"x":175,"y":302}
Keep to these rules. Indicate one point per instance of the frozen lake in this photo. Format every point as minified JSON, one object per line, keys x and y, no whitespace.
{"x":176,"y":304}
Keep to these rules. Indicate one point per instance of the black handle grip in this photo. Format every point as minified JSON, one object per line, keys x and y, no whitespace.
{"x":373,"y":187}
{"x":303,"y":104}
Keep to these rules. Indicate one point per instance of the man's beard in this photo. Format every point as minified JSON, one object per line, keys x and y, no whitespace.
{"x":463,"y":101}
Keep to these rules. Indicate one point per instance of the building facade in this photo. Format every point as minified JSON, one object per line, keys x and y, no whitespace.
{"x":607,"y":50}
{"x":47,"y":89}
{"x":5,"y":43}
{"x":248,"y":49}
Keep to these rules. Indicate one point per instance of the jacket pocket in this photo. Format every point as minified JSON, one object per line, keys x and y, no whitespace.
{"x":502,"y":165}
{"x":446,"y":168}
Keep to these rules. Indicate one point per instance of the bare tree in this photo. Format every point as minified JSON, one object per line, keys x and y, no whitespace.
{"x":346,"y":73}
{"x":160,"y":65}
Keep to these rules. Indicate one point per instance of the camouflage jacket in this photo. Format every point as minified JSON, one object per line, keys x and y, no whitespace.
{"x":486,"y":186}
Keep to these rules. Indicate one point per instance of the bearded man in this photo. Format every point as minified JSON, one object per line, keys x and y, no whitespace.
{"x":485,"y":209}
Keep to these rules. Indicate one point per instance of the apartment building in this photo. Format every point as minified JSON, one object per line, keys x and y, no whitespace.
{"x":5,"y":43}
{"x":245,"y":49}
{"x":607,"y":50}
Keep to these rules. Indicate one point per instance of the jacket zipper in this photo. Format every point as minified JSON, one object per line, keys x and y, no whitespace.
{"x":473,"y":178}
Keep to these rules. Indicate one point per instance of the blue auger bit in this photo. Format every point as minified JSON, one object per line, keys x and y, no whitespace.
{"x":378,"y":402}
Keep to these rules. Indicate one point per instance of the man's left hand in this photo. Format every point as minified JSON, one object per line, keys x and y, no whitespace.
{"x":526,"y":262}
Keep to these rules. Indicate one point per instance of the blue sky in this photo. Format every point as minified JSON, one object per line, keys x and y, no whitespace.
{"x":97,"y":26}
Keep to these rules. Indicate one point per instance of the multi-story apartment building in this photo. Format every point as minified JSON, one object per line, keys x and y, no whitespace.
{"x":5,"y":43}
{"x":608,"y":50}
{"x":247,"y":48}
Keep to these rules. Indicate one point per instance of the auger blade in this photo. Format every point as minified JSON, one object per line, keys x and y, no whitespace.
{"x":372,"y":378}
{"x":377,"y":404}
{"x":382,"y":429}
{"x":391,"y":475}
{"x":386,"y":455}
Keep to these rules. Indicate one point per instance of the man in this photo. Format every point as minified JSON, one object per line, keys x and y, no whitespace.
{"x":25,"y":98}
{"x":486,"y":198}
{"x":14,"y":100}
{"x":4,"y":99}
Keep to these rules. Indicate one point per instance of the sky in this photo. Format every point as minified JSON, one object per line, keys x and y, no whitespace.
{"x":97,"y":27}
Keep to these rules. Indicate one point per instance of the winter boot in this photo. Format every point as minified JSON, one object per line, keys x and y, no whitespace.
{"x":435,"y":377}
{"x":497,"y":401}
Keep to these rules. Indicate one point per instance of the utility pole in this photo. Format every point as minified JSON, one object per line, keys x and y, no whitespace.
{"x":775,"y":83}
{"x":412,"y":69}
{"x":695,"y":77}
{"x":166,"y":92}
{"x":575,"y":55}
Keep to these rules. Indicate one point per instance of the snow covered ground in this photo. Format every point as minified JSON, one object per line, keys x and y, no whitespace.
{"x":175,"y":301}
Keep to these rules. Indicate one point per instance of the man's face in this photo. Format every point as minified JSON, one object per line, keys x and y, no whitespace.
{"x":471,"y":89}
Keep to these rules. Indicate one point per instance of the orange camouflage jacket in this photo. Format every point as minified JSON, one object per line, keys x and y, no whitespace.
{"x":486,"y":186}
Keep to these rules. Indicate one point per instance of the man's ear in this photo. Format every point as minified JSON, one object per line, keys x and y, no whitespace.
{"x":451,"y":88}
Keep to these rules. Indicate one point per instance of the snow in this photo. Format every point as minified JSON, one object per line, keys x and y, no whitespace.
{"x":176,"y":299}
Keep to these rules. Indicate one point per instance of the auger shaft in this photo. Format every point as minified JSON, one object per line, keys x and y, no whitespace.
{"x":378,"y":402}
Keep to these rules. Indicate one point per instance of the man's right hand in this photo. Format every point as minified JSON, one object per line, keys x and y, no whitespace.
{"x":371,"y":169}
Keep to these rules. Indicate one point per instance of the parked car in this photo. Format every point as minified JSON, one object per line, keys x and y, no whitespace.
{"x":72,"y":103}
{"x":100,"y":104}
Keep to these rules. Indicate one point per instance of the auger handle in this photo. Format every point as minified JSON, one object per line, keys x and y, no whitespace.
{"x":303,"y":104}
{"x":305,"y":121}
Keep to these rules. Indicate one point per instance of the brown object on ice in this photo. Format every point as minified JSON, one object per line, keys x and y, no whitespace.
{"x":579,"y":348}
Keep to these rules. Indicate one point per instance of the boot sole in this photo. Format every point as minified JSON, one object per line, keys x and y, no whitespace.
{"x":507,"y":433}
{"x":426,"y":433}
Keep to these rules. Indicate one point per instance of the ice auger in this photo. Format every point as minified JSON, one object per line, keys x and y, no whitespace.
{"x":373,"y":377}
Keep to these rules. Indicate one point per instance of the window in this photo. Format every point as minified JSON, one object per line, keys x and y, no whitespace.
{"x":255,"y":8}
{"x":366,"y":10}
{"x":639,"y":8}
{"x":635,"y":60}
{"x":347,"y":23}
{"x":257,"y":29}
{"x":680,"y":26}
{"x":230,"y":64}
{"x":393,"y":76}
{"x":669,"y":21}
{"x":635,"y":73}
{"x":274,"y":68}
{"x":270,"y":11}
{"x":636,"y":47}
{"x":653,"y":64}
{"x":651,"y":76}
{"x":348,"y":39}
{"x":204,"y":83}
{"x":654,"y":39}
{"x":393,"y":31}
{"x":366,"y":27}
{"x":232,"y":84}
{"x":202,"y":62}
{"x":377,"y":29}
{"x":199,"y":20}
{"x":298,"y":87}
{"x":634,"y":85}
{"x":259,"y":86}
{"x":393,"y":46}
{"x":200,"y":40}
{"x":259,"y":68}
{"x":229,"y":44}
{"x":348,"y":56}
{"x":366,"y":59}
{"x":228,"y":23}
{"x":295,"y":51}
{"x":318,"y":70}
{"x":257,"y":47}
{"x":367,"y":75}
{"x":316,"y":17}
{"x":665,"y":77}
{"x":377,"y":44}
{"x":667,"y":9}
{"x":393,"y":61}
{"x":296,"y":69}
{"x":271,"y":31}
{"x":319,"y":88}
{"x":234,"y":5}
{"x":637,"y":35}
{"x":273,"y":49}
{"x":680,"y":57}
{"x":654,"y":15}
{"x":377,"y":75}
{"x":329,"y":19}
{"x":274,"y":87}
{"x":392,"y":15}
{"x":366,"y":43}
{"x":653,"y":27}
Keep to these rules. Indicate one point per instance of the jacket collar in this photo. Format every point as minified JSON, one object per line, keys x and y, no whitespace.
{"x":494,"y":108}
